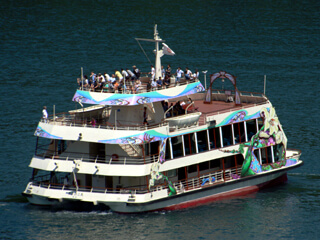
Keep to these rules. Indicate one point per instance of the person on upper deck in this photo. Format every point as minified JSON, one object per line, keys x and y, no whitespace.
{"x":188,"y":74}
{"x":179,"y":74}
{"x":131,"y":74}
{"x":106,"y":76}
{"x":93,"y":77}
{"x":44,"y":114}
{"x":153,"y":84}
{"x":137,"y":86}
{"x":136,"y":71}
{"x":163,"y":72}
{"x":153,"y":73}
{"x":125,"y":75}
{"x":159,"y":83}
{"x":118,"y":75}
{"x":168,"y":71}
{"x":177,"y":108}
{"x":196,"y":74}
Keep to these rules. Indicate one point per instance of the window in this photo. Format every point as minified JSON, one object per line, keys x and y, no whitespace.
{"x":189,"y":144}
{"x":266,"y":155}
{"x":239,"y":134}
{"x":172,"y":173}
{"x":168,"y":152}
{"x":214,"y":136}
{"x":277,"y":152}
{"x":177,"y":148}
{"x":260,"y":123}
{"x":227,"y":135}
{"x":202,"y":141}
{"x":251,"y":128}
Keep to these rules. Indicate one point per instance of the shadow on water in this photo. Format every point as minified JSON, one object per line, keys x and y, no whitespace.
{"x":17,"y":198}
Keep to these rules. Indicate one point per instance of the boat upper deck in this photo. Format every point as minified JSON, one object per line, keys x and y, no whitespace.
{"x":222,"y":102}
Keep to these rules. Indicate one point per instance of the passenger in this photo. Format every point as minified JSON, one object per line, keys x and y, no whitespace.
{"x":153,"y":85}
{"x":159,"y":83}
{"x":106,"y":76}
{"x":116,"y":86}
{"x":165,"y":108}
{"x":126,"y":77}
{"x":112,"y":79}
{"x":105,"y":87}
{"x":118,"y":75}
{"x":166,"y":81}
{"x":177,"y":108}
{"x":132,"y":77}
{"x":93,"y":122}
{"x":153,"y":73}
{"x":137,"y":86}
{"x":168,"y":71}
{"x":188,"y":74}
{"x":178,"y":74}
{"x":44,"y":114}
{"x":163,"y":72}
{"x":149,"y":86}
{"x":93,"y":77}
{"x":86,"y":84}
{"x":136,"y":71}
{"x":196,"y":74}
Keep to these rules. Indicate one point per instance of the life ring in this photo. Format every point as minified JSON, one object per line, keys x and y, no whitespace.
{"x":115,"y":157}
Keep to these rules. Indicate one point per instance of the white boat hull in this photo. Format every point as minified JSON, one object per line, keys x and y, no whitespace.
{"x":237,"y":187}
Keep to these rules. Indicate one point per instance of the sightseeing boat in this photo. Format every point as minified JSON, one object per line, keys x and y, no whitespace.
{"x":222,"y":143}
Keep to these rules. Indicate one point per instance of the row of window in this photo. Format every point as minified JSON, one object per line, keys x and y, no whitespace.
{"x":213,"y":138}
{"x":234,"y":161}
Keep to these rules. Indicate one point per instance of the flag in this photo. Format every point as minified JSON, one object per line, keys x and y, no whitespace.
{"x":167,"y":50}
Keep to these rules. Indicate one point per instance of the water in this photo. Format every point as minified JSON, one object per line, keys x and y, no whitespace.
{"x":45,"y":43}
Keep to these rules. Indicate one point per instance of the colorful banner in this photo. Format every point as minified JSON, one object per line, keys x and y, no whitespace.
{"x":118,"y":99}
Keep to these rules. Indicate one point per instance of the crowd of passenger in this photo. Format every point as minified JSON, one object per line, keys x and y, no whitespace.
{"x":129,"y":81}
{"x":177,"y":108}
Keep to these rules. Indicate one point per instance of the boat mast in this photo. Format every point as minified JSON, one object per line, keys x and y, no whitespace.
{"x":158,"y":53}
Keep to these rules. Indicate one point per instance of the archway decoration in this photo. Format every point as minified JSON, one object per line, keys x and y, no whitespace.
{"x":222,"y":75}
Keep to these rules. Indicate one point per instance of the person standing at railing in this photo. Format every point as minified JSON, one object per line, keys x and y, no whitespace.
{"x":153,"y":73}
{"x":44,"y":114}
{"x":179,"y":74}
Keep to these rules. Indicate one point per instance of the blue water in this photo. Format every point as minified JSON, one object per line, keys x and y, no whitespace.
{"x":43,"y":45}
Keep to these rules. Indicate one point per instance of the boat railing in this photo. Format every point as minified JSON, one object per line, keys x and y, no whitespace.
{"x":129,"y":87}
{"x":65,"y":119}
{"x":204,"y":119}
{"x":52,"y":182}
{"x":106,"y":159}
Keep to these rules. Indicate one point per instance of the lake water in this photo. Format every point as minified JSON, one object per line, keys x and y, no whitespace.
{"x":45,"y":43}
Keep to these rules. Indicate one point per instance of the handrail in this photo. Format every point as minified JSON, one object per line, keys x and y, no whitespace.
{"x":181,"y":185}
{"x":72,"y":122}
{"x":142,"y":88}
{"x":188,"y":107}
{"x":164,"y":115}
